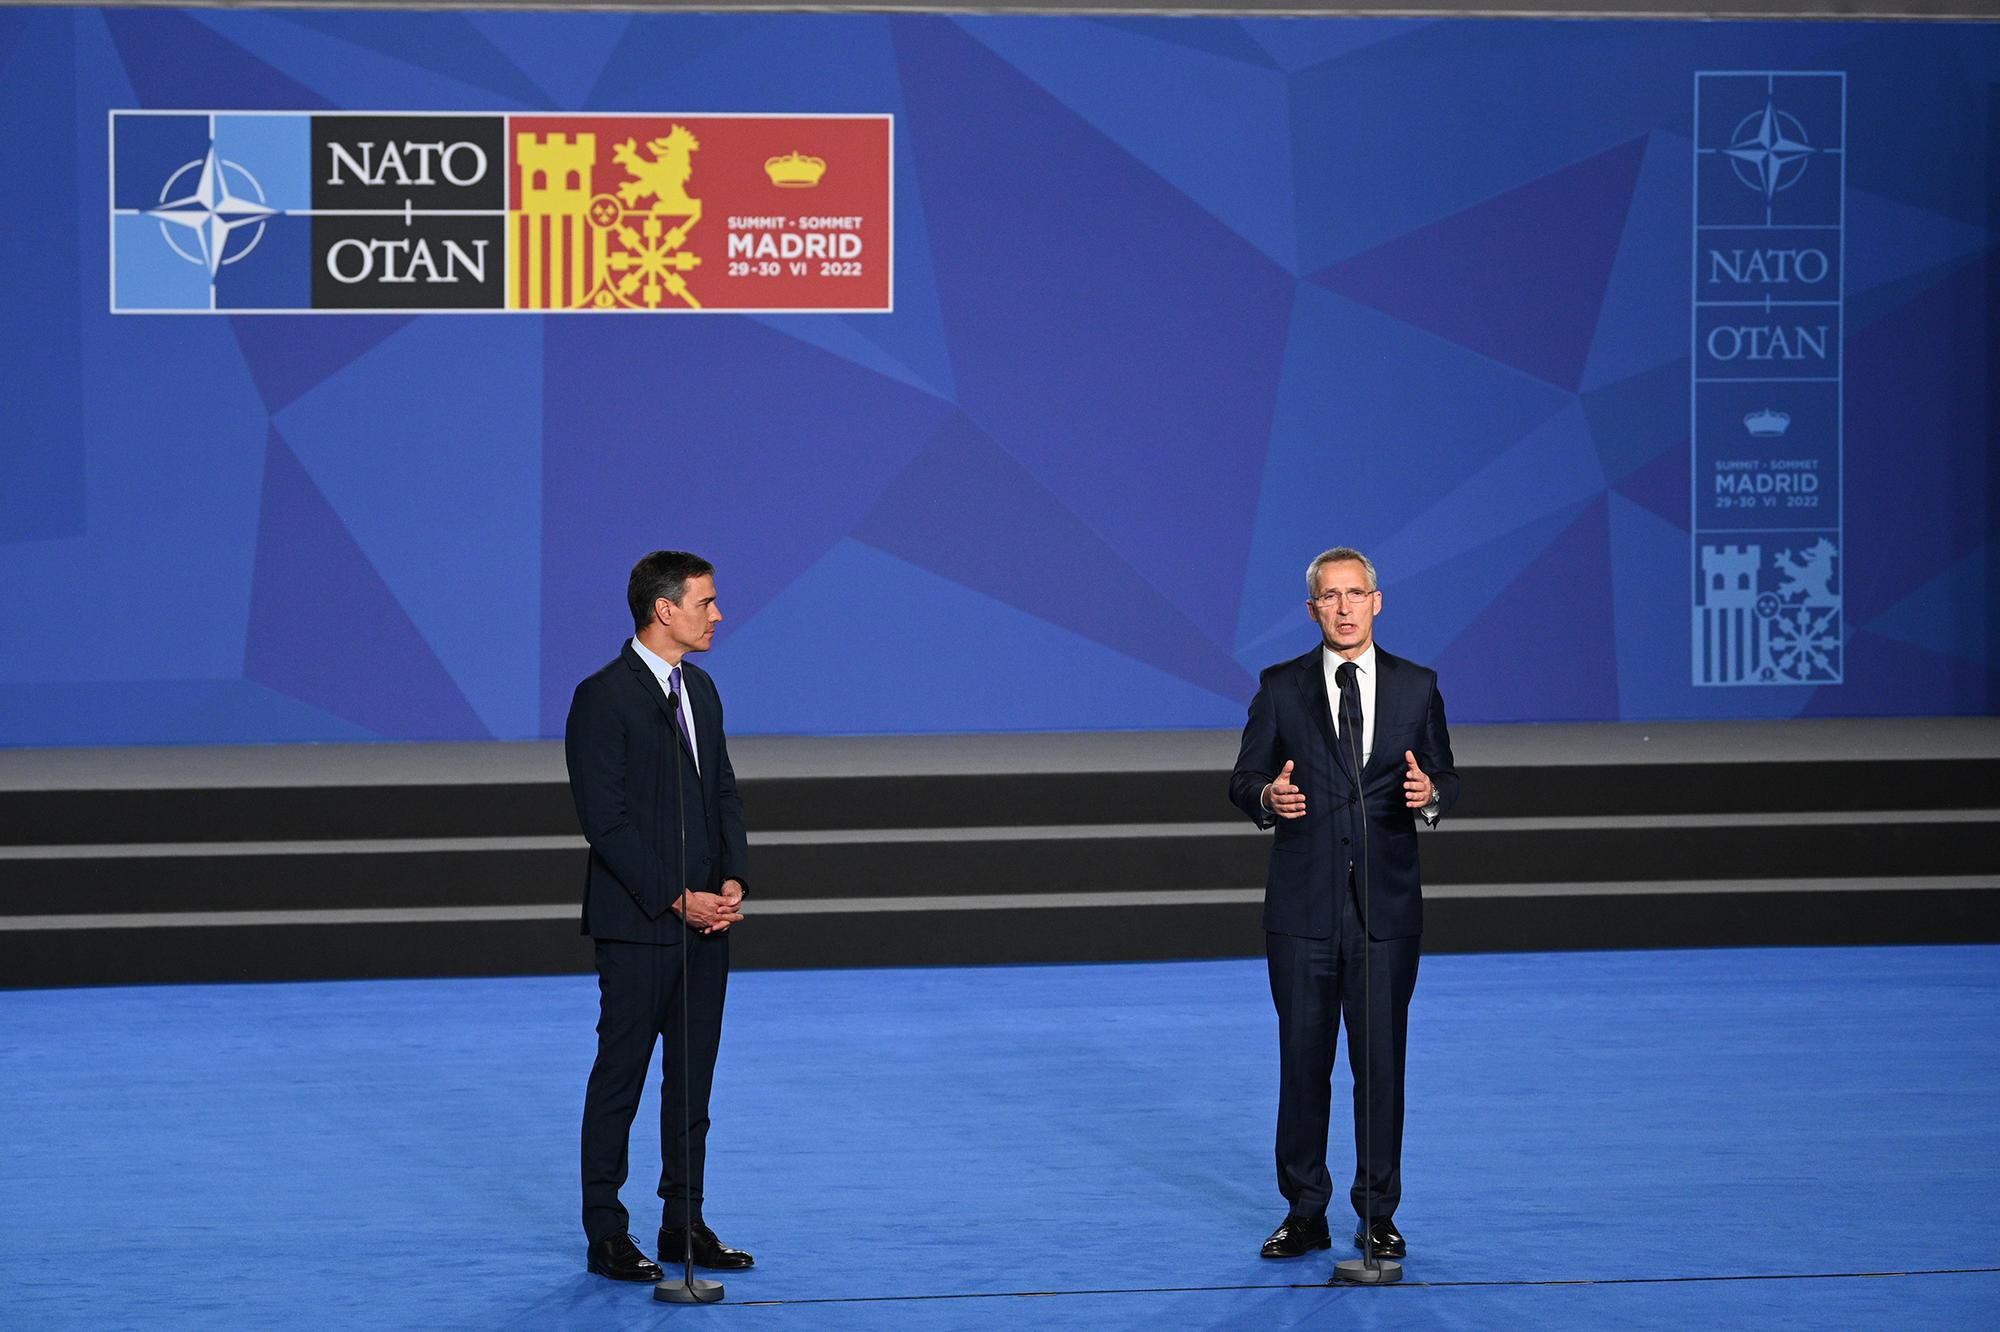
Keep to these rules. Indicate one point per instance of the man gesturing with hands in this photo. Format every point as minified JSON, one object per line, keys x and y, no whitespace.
{"x":1289,"y":802}
{"x":1344,"y":749}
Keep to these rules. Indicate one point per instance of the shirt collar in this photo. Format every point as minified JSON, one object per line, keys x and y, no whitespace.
{"x":1365,"y":663}
{"x":659,"y":665}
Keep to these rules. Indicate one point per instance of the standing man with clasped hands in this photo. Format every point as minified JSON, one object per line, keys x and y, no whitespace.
{"x":642,"y":730}
{"x":1343,"y":749}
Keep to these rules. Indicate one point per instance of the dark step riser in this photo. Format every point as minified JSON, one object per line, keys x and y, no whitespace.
{"x":452,"y":878}
{"x":66,"y":818}
{"x":1083,"y":864}
{"x":282,"y":814}
{"x":320,"y":880}
{"x":1111,"y":934}
{"x":790,"y":804}
{"x":1616,"y":855}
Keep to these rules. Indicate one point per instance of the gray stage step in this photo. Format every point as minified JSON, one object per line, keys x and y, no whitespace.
{"x":1058,"y":853}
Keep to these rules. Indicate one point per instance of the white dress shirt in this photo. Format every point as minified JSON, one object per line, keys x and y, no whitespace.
{"x":662,"y":670}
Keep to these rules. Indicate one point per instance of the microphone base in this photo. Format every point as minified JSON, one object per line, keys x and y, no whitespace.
{"x":1366,"y":1272}
{"x":688,"y":1290}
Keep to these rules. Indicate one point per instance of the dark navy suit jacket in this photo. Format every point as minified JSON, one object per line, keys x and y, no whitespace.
{"x":623,"y":749}
{"x":1290,"y":719}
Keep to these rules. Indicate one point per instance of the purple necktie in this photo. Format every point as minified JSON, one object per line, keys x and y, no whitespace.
{"x":680,"y":717}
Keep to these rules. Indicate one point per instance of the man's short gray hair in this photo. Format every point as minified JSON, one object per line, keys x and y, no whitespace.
{"x":1338,"y":555}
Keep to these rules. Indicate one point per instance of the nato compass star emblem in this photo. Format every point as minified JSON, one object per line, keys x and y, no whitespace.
{"x":220,"y":224}
{"x":1769,"y":151}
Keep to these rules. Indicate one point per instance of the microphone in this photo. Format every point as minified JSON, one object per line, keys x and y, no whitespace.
{"x":1370,"y":1269}
{"x":689,"y":1289}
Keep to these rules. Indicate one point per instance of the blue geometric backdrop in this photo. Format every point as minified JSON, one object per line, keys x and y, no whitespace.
{"x":1178,"y":302}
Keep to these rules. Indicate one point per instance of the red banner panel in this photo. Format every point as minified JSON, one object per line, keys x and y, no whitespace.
{"x":663,"y":212}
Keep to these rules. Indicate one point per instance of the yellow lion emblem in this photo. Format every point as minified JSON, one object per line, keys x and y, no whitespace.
{"x":664,"y":175}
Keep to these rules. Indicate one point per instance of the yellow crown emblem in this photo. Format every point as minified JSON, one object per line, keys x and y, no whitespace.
{"x":795,"y":171}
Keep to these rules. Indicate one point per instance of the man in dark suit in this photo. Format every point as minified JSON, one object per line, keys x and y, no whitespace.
{"x":1344,"y":747}
{"x":661,"y":893}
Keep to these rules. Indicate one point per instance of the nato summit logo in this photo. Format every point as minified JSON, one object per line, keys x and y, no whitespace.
{"x":1768,"y":361}
{"x":295,"y":212}
{"x":266,"y":212}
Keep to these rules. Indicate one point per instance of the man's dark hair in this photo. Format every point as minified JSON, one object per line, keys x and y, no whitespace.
{"x":664,"y":573}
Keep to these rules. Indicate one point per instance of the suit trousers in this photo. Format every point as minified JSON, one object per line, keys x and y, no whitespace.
{"x":1314,"y":982}
{"x":639,"y":1000}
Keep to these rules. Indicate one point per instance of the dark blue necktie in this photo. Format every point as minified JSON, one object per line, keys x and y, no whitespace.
{"x":1350,"y":716}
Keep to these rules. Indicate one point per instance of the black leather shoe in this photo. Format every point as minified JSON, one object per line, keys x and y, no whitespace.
{"x":620,"y":1258}
{"x":1296,"y":1236}
{"x":709,"y":1251}
{"x":1384,"y":1240}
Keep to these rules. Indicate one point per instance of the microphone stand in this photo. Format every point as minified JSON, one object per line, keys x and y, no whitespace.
{"x":688,"y":1289}
{"x":1368,"y":1269}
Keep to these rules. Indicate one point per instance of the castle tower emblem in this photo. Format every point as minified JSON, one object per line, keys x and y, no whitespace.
{"x":552,"y":238}
{"x":1728,"y":632}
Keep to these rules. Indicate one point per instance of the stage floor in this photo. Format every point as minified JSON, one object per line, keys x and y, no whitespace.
{"x":1767,"y":1138}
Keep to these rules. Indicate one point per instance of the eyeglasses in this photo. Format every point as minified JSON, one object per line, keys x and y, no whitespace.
{"x":1342,"y":596}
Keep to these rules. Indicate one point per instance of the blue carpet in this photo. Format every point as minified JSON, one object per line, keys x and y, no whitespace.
{"x":403,"y":1154}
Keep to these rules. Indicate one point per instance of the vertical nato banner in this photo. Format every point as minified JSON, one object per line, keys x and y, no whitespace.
{"x":286,"y":212}
{"x":1770,"y":174}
